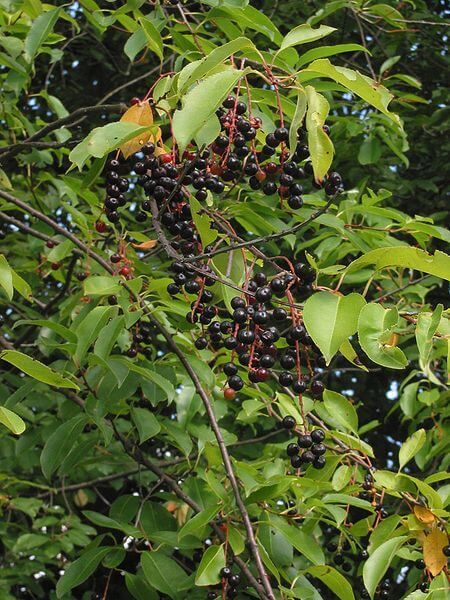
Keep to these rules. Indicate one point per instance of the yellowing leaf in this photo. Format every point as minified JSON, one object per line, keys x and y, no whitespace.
{"x":147,"y":245}
{"x":424,"y":515}
{"x":140,"y":114}
{"x":434,"y":558}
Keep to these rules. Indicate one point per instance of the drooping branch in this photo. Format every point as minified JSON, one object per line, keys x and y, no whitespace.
{"x":193,"y":376}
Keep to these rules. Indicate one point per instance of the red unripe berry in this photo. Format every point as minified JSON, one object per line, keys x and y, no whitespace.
{"x":255,"y":122}
{"x":50,"y":244}
{"x":260,"y":175}
{"x":229,"y":394}
{"x":271,"y":168}
{"x":55,"y":266}
{"x":100,"y":227}
{"x":166,"y":158}
{"x":262,"y":374}
{"x":125,"y":271}
{"x":135,"y":100}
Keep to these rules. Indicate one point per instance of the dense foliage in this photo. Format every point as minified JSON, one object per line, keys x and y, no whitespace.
{"x":223,"y":300}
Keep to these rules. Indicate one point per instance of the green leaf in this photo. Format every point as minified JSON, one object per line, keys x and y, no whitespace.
{"x":146,"y":422}
{"x":135,"y":43}
{"x":36,"y":369}
{"x":6,"y":278}
{"x":11,"y":420}
{"x":364,"y":87}
{"x":39,"y":32}
{"x":80,"y":570}
{"x":197,"y":523}
{"x":202,"y":223}
{"x":213,"y":59}
{"x":89,"y":328}
{"x":208,"y":572}
{"x":427,"y":324}
{"x":200,"y":104}
{"x":388,"y":13}
{"x":320,"y":146}
{"x":101,"y":285}
{"x":369,"y":151}
{"x":437,"y":264}
{"x":302,"y":542}
{"x":164,"y":574}
{"x":331,"y":319}
{"x":103,"y":140}
{"x":376,"y":332}
{"x":60,"y":443}
{"x":303,"y":34}
{"x":297,"y":119}
{"x":108,"y":337}
{"x":154,"y":40}
{"x":378,"y":563}
{"x":341,"y":409}
{"x":411,"y":447}
{"x":324,"y":51}
{"x":139,"y":588}
{"x":336,"y":582}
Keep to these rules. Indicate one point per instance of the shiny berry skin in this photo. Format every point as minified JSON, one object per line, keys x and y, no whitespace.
{"x":299,"y":387}
{"x":261,"y":317}
{"x":267,"y":361}
{"x":420,"y":564}
{"x":304,"y":440}
{"x":101,"y":227}
{"x":317,"y":389}
{"x":113,"y":217}
{"x":288,"y":422}
{"x":230,"y":343}
{"x":317,"y":435}
{"x":307,"y":456}
{"x":235,"y":383}
{"x":254,"y":183}
{"x":230,"y":369}
{"x":271,"y":168}
{"x":295,"y":202}
{"x":55,"y":266}
{"x":229,"y":394}
{"x":238,"y":302}
{"x":424,"y":587}
{"x":115,"y":258}
{"x":292,"y":449}
{"x":278,"y":285}
{"x":201,"y":343}
{"x":240,"y":315}
{"x":318,"y":449}
{"x":263,"y":294}
{"x":173,"y":289}
{"x":241,"y":107}
{"x":279,"y":314}
{"x":285,"y":379}
{"x":125,"y":271}
{"x":281,"y":134}
{"x":234,"y":580}
{"x":271,"y":140}
{"x":269,"y":188}
{"x":225,"y":572}
{"x":446,"y":550}
{"x":135,"y":100}
{"x":296,"y":461}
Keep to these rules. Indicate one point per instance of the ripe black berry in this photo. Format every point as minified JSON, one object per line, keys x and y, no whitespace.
{"x":263,"y":294}
{"x":292,"y":449}
{"x":281,"y":134}
{"x":420,"y":564}
{"x":296,"y":461}
{"x":285,"y":379}
{"x":269,"y":188}
{"x":295,"y":202}
{"x":235,"y":383}
{"x":201,"y":343}
{"x":446,"y":550}
{"x":230,"y":369}
{"x":308,"y":457}
{"x":225,"y":572}
{"x":288,"y":422}
{"x":234,"y":580}
{"x":317,"y":435}
{"x":304,"y":440}
{"x":318,"y":449}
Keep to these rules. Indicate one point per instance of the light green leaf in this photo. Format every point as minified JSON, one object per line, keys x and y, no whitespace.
{"x":378,"y":563}
{"x":320,"y":146}
{"x":80,"y":570}
{"x":213,"y":59}
{"x":302,"y":542}
{"x":102,"y":140}
{"x":108,"y":337}
{"x":376,"y":332}
{"x":364,"y":87}
{"x":297,"y":119}
{"x":208,"y":572}
{"x":101,"y":285}
{"x":347,"y":350}
{"x":437,"y":264}
{"x":341,"y":409}
{"x":411,"y":447}
{"x":303,"y":34}
{"x":427,"y":324}
{"x":146,"y":423}
{"x":60,"y":443}
{"x":331,"y":319}
{"x":6,"y":278}
{"x":324,"y":51}
{"x":39,"y":32}
{"x":195,"y":526}
{"x":11,"y":420}
{"x":36,"y":369}
{"x":336,"y":582}
{"x":388,"y":13}
{"x":154,"y":40}
{"x":200,"y":104}
{"x":89,"y":328}
{"x":164,"y":574}
{"x":135,"y":43}
{"x":202,"y":223}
